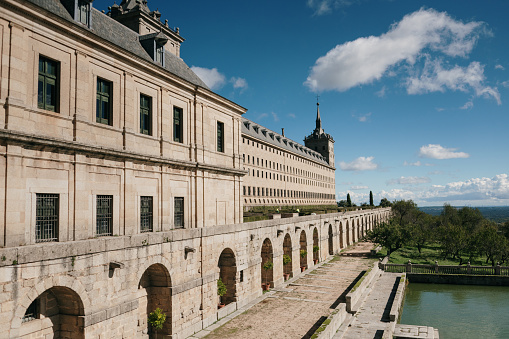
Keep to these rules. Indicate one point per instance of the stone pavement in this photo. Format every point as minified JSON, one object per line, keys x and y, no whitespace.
{"x":415,"y":332}
{"x":296,"y":309}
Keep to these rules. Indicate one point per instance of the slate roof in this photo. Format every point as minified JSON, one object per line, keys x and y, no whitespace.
{"x":114,"y":32}
{"x":272,"y":138}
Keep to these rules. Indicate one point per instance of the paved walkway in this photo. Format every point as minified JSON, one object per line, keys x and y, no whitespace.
{"x":296,"y":309}
{"x":372,"y":318}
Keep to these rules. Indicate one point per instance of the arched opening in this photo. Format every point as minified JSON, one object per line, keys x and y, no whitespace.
{"x":63,"y":307}
{"x":341,"y":236}
{"x":287,"y":253}
{"x":331,"y":244}
{"x":303,"y":251}
{"x":316,"y":248}
{"x":267,"y":265}
{"x":358,"y":230}
{"x":228,"y":275}
{"x":347,"y":233}
{"x":154,"y":291}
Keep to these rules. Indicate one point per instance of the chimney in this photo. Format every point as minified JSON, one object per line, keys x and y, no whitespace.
{"x":283,"y":131}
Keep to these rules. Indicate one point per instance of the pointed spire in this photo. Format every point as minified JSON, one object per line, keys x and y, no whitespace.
{"x":318,"y":120}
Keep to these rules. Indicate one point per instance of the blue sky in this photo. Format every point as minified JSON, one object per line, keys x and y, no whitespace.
{"x":414,"y":93}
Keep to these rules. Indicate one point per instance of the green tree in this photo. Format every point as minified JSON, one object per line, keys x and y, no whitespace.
{"x":348,"y":200}
{"x":390,"y":235}
{"x":421,"y":229}
{"x":342,"y":203}
{"x":371,"y":198}
{"x":156,"y":319}
{"x":492,"y":244}
{"x":385,"y":203}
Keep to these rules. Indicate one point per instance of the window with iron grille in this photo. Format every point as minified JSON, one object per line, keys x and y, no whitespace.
{"x":47,"y":85}
{"x":104,"y":217}
{"x":46,"y":217}
{"x":145,"y":114}
{"x":179,"y":212}
{"x":32,"y":312}
{"x":103,"y":102}
{"x":220,"y":136}
{"x":178,"y":124}
{"x":146,"y":214}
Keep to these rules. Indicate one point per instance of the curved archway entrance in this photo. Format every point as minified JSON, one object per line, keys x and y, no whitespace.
{"x":287,"y":252}
{"x":267,"y":265}
{"x":303,"y":251}
{"x":316,"y":247}
{"x":331,"y":243}
{"x":341,"y":236}
{"x":63,"y":307}
{"x":347,"y":233}
{"x":154,"y":291}
{"x":228,"y":274}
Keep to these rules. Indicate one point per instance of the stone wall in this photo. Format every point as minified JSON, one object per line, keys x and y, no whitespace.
{"x":105,"y":287}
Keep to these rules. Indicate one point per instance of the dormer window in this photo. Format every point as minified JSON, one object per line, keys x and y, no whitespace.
{"x":154,"y":45}
{"x":82,"y":13}
{"x":159,"y":54}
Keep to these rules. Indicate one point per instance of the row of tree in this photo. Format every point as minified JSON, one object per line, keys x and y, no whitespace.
{"x":461,"y":233}
{"x":348,"y":202}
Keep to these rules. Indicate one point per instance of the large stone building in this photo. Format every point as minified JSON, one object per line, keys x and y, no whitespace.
{"x":284,"y":172}
{"x":121,"y":181}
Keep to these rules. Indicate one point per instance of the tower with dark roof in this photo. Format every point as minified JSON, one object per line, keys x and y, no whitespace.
{"x":320,"y":141}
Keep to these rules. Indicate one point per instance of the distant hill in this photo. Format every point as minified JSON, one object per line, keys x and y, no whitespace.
{"x":495,"y":213}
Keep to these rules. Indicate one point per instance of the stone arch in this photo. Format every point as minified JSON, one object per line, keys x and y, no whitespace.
{"x":228,"y":274}
{"x":303,"y":247}
{"x":58,"y":281}
{"x":287,"y":250}
{"x":347,"y":233}
{"x":330,"y":240}
{"x":154,"y":291}
{"x":358,"y":229}
{"x":267,"y":254}
{"x":341,"y":236}
{"x":315,"y":243}
{"x":62,"y":306}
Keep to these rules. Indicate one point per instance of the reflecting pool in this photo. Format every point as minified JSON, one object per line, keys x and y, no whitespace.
{"x":458,"y":311}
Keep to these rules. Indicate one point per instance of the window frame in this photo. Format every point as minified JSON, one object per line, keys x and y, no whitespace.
{"x":104,"y":215}
{"x":146,"y":112}
{"x":220,"y":137}
{"x":178,"y":213}
{"x":82,"y":12}
{"x":100,"y":117}
{"x":46,"y":78}
{"x":178,"y":125}
{"x":146,"y":216}
{"x":44,"y":220}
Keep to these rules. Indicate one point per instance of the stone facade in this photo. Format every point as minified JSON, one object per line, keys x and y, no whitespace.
{"x":121,"y":179}
{"x":284,"y":172}
{"x":104,"y":287}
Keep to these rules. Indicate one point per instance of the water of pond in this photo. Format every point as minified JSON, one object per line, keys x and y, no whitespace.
{"x":458,"y":311}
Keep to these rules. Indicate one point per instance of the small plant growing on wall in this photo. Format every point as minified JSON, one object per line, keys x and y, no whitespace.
{"x":267,"y":266}
{"x":221,"y":290}
{"x":286,"y":259}
{"x":316,"y":249}
{"x":156,"y":319}
{"x":303,"y":253}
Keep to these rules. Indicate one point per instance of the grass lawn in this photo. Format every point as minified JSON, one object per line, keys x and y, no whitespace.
{"x":429,"y":254}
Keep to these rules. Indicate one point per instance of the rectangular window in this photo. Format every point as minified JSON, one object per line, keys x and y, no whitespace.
{"x":146,"y":214}
{"x":220,"y":137}
{"x":145,"y":114}
{"x":47,"y":86}
{"x":46,"y":217}
{"x":103,"y":102}
{"x":104,"y":218}
{"x":82,"y":12}
{"x":178,"y":124}
{"x":159,"y":55}
{"x":179,"y":212}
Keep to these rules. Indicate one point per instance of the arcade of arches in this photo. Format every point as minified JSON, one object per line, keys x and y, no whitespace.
{"x":107,"y":287}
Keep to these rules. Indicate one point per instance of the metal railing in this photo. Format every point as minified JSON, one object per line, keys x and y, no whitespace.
{"x":444,"y":269}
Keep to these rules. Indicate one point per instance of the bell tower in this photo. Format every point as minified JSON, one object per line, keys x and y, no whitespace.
{"x":320,"y":141}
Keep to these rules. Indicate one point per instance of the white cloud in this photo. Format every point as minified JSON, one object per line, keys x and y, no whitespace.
{"x":468,"y":105}
{"x":434,"y":78}
{"x":358,"y":188}
{"x":416,"y":164}
{"x":363,"y":118}
{"x":500,"y":67}
{"x":239,"y":83}
{"x":322,"y":7}
{"x":262,"y":116}
{"x":381,"y":92}
{"x":210,"y":76}
{"x":359,"y":164}
{"x":409,"y":181}
{"x":367,"y":59}
{"x":480,"y":191}
{"x":434,"y":151}
{"x":275,"y":116}
{"x":505,"y":83}
{"x":291,"y":115}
